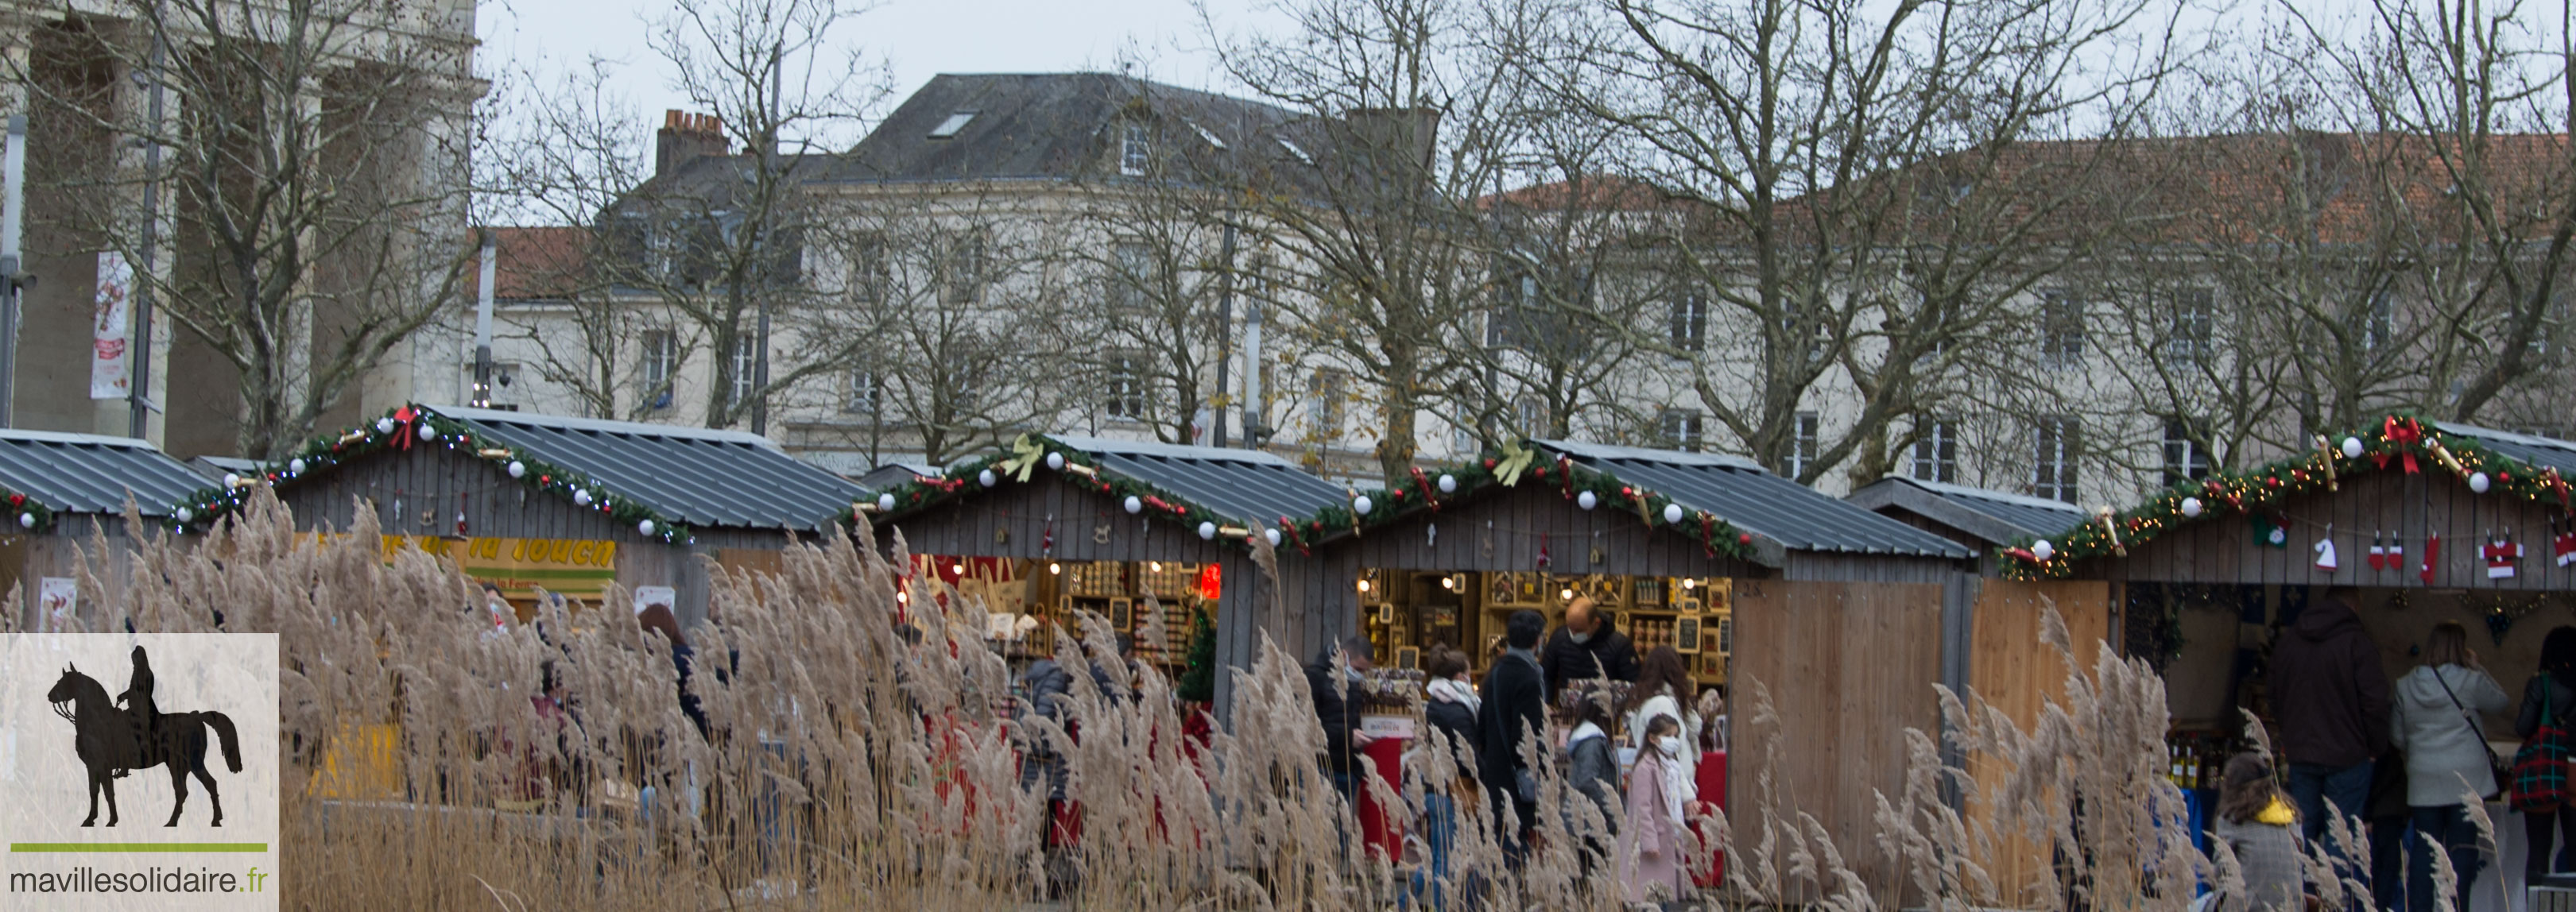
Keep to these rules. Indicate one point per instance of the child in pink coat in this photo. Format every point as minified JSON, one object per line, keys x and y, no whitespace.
{"x":1651,"y":844}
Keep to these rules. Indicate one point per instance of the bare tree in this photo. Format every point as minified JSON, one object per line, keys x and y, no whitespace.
{"x":313,"y":158}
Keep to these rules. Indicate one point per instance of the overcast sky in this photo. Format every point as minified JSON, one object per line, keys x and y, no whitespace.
{"x":918,"y":38}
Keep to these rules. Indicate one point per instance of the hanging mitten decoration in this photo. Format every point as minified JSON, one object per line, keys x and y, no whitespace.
{"x":2432,"y":555}
{"x":2562,"y":545}
{"x":2378,"y":552}
{"x":2270,"y":530}
{"x":2501,"y":555}
{"x":2326,"y":552}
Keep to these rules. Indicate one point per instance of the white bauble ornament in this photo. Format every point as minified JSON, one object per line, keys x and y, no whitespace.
{"x":1673,"y":513}
{"x":26,"y":520}
{"x":1448,"y":484}
{"x":1207,"y":530}
{"x":2042,"y":549}
{"x":1362,"y":505}
{"x":986,"y":478}
{"x":1055,"y":461}
{"x":1272,"y":535}
{"x":645,"y":527}
{"x":231,"y":480}
{"x":1586,"y":500}
{"x":384,"y":425}
{"x":428,"y":433}
{"x":518,"y":469}
{"x":295,"y":467}
{"x":2352,"y":448}
{"x":1133,"y":505}
{"x":2479,"y":482}
{"x":2191,"y":508}
{"x":581,"y":497}
{"x":186,"y":514}
{"x":885,"y":503}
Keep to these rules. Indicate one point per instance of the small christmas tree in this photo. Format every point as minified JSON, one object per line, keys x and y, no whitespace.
{"x":1198,"y":675}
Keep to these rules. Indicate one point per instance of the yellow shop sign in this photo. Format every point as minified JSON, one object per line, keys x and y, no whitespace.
{"x":575,"y":568}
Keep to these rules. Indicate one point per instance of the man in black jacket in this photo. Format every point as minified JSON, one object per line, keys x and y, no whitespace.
{"x":1586,"y":647}
{"x":1515,"y":706}
{"x":1342,"y":737}
{"x":2330,"y":697}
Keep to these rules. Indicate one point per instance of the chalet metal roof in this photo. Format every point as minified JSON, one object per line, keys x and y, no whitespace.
{"x":2542,"y":452}
{"x":1993,"y":516}
{"x":1053,"y":126}
{"x":697,"y":476}
{"x":1250,"y":486}
{"x":1741,"y":493}
{"x":83,"y":473}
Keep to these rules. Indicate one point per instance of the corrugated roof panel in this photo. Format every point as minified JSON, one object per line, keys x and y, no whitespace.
{"x":80,"y":473}
{"x":2030,"y":514}
{"x":1793,"y":514}
{"x":2539,"y":451}
{"x":1253,"y":488}
{"x":699,"y":477}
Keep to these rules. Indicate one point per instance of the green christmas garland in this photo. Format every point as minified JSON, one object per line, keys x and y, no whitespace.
{"x":33,"y":515}
{"x":1513,"y":466}
{"x":2401,"y":443}
{"x":422,"y":427}
{"x":1028,"y":455}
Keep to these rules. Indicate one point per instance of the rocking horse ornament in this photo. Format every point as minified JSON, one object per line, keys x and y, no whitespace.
{"x":112,"y":742}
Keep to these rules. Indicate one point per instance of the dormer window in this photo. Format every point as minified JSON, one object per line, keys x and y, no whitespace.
{"x":947,"y":129}
{"x":1134,"y":151}
{"x":1210,"y":137}
{"x":1296,"y":150}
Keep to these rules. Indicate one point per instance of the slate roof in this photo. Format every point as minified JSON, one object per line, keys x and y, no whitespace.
{"x":1994,"y":516}
{"x":1759,"y":502}
{"x":82,"y":473}
{"x":701,"y":477}
{"x":2539,"y":451}
{"x":1058,"y":126}
{"x":1249,"y":486}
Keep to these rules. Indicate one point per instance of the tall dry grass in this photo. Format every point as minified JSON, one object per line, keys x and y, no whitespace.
{"x":846,"y":765}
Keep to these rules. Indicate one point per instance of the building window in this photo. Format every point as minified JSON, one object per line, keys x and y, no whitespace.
{"x":2379,"y":321}
{"x":2054,"y":454}
{"x":871,"y":268}
{"x":1126,"y":387}
{"x":661,"y":360}
{"x":1326,"y":390}
{"x":1690,"y":321}
{"x":2194,"y":322}
{"x":1134,"y":151}
{"x":1529,"y":414}
{"x":863,"y":393}
{"x":1804,"y":445}
{"x":2185,"y":455}
{"x":961,"y":271}
{"x":1680,"y":429}
{"x":2061,"y":329}
{"x":1133,"y":283}
{"x":948,"y":129}
{"x":746,"y":362}
{"x":1936,"y":453}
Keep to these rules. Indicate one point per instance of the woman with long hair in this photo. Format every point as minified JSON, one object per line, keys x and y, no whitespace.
{"x":1663,"y":685}
{"x":2439,"y":708}
{"x":2549,"y":698}
{"x":2259,"y":826}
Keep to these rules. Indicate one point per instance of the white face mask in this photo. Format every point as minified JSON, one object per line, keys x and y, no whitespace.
{"x":1671,"y":746}
{"x":1579,"y":637}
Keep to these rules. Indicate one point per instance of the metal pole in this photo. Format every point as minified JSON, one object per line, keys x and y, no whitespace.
{"x":1225,"y":331}
{"x":13,"y":217}
{"x":483,"y":323}
{"x":1255,"y":432}
{"x":138,"y":393}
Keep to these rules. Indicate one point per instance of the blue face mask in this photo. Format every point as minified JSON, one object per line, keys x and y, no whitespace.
{"x":1580,"y":638}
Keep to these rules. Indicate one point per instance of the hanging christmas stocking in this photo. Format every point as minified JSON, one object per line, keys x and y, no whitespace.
{"x":2397,"y":553}
{"x":2500,"y":555}
{"x":2269,"y":530}
{"x":2432,"y":553}
{"x":2326,"y":554}
{"x":2378,"y":553}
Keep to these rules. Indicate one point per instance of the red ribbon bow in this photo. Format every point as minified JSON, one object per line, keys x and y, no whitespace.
{"x":2405,"y":433}
{"x":404,"y":418}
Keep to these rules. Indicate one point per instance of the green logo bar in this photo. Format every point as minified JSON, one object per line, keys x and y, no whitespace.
{"x":138,"y":847}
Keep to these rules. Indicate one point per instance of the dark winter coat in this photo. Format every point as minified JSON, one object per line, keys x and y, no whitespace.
{"x":2329,"y":692}
{"x":1333,"y":710}
{"x":1564,"y":659}
{"x":1456,"y":721}
{"x":1515,"y":696}
{"x":2543,"y":690}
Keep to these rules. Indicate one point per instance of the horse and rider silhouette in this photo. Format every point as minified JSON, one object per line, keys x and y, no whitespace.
{"x":113,"y":741}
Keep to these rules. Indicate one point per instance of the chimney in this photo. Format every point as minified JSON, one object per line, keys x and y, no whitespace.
{"x":687,"y":137}
{"x":1408,"y":136}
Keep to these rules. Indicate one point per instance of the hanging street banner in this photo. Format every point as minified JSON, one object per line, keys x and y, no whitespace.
{"x":109,"y":377}
{"x":139,"y":771}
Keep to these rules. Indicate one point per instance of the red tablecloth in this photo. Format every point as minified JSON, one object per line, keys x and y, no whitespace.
{"x":1383,"y":832}
{"x":1712,"y":789}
